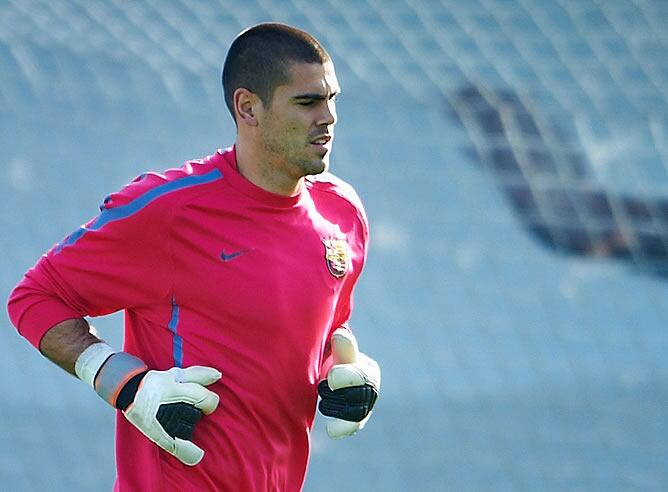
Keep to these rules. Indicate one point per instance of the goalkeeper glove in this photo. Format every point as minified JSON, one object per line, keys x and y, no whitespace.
{"x":351,"y":388}
{"x":163,"y":405}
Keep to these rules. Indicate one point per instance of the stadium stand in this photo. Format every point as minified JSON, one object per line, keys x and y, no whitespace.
{"x":512,"y":155}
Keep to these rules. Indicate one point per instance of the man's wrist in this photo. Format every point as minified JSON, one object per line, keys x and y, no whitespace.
{"x":129,"y":391}
{"x":115,"y":373}
{"x":109,"y":373}
{"x":91,"y":360}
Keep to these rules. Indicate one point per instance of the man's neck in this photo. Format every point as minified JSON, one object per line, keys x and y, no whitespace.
{"x":258,"y":169}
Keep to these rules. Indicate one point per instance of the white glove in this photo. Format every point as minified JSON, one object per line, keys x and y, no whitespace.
{"x":351,"y":388}
{"x":163,"y":405}
{"x":160,"y":388}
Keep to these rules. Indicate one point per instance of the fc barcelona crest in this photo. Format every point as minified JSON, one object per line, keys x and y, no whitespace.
{"x":336,"y":255}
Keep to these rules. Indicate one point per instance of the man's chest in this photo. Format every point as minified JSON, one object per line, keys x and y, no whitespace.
{"x":264,"y":270}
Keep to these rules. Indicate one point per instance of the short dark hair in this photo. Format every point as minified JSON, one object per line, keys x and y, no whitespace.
{"x":259,"y":59}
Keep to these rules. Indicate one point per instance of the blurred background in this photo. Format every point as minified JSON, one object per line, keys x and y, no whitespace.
{"x":512,"y":156}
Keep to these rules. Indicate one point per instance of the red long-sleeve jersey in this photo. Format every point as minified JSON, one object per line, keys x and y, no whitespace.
{"x":213,"y":270}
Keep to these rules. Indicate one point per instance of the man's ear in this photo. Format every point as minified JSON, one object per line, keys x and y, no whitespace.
{"x":247,"y":107}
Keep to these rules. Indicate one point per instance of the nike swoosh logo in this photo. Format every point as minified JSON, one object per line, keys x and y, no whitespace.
{"x":231,"y":256}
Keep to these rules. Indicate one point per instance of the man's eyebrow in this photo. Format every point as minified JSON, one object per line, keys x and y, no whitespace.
{"x":315,"y":96}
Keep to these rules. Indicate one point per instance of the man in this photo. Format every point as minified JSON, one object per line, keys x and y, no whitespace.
{"x":236,"y":274}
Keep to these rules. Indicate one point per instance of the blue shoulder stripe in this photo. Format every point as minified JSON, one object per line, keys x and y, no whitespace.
{"x":118,"y":213}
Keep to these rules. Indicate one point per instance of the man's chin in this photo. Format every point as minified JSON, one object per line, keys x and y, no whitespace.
{"x":316,"y":167}
{"x":324,"y":166}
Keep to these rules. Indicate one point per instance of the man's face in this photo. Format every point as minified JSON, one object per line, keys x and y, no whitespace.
{"x":297,"y":127}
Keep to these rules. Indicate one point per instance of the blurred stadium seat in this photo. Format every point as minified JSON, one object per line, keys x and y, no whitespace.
{"x":512,"y":155}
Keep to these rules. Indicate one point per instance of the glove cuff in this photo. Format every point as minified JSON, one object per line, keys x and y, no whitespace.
{"x":91,"y":360}
{"x":128,"y":392}
{"x":115,"y":373}
{"x":107,"y":371}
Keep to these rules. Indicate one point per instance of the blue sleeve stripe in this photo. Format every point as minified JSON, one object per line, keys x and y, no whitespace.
{"x":177,"y":344}
{"x":118,"y":213}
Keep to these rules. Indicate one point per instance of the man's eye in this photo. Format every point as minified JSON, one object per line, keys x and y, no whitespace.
{"x":307,"y":102}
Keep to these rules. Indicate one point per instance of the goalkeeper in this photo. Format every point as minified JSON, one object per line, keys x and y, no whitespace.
{"x":236,"y":274}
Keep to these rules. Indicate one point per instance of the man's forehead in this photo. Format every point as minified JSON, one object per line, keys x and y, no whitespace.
{"x":314,"y":77}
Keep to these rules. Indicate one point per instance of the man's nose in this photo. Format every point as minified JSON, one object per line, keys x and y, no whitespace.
{"x":329,"y":113}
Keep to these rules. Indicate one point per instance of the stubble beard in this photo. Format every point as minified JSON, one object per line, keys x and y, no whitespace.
{"x":310,"y":168}
{"x":296,"y":159}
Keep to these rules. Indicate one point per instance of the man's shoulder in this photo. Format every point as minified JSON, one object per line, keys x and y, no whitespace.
{"x":153,"y":185}
{"x":335,"y":186}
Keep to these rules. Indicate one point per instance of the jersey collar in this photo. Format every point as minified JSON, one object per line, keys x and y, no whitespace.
{"x":226,"y":161}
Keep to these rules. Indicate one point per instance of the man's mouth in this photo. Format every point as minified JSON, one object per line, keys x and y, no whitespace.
{"x":321,"y":140}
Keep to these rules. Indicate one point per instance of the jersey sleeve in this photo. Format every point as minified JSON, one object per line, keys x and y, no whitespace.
{"x":356,"y":224}
{"x":357,"y":227}
{"x":119,"y":259}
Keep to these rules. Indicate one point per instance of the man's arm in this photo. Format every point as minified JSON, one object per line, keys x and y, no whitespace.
{"x":64,"y":343}
{"x":95,"y":271}
{"x":163,"y":405}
